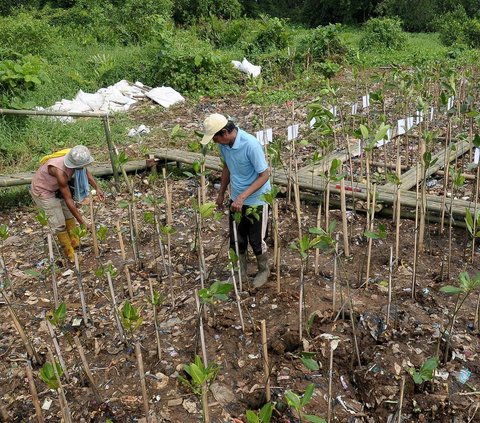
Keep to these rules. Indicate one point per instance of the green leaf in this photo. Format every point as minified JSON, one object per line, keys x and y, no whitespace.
{"x":426,"y":371}
{"x":206,"y":210}
{"x":293,"y":399}
{"x":251,"y":417}
{"x":451,"y":290}
{"x":266,"y":413}
{"x":314,"y":419}
{"x":123,"y":204}
{"x":307,"y":396}
{"x":364,"y":131}
{"x":310,"y":364}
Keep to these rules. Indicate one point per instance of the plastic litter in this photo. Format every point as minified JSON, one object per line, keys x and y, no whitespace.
{"x":463,"y":375}
{"x":246,"y":67}
{"x":141,"y":130}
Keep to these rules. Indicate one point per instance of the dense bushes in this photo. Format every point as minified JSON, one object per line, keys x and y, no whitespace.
{"x":455,"y":28}
{"x":383,"y":33}
{"x":190,"y":11}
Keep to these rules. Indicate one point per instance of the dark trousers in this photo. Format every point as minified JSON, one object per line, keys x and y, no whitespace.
{"x":251,"y":230}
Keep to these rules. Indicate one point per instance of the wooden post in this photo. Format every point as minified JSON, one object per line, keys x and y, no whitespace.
{"x":92,"y":228}
{"x":343,"y":207}
{"x":57,"y":349}
{"x":86,"y":368}
{"x":82,"y":292}
{"x":114,"y":305}
{"x":200,"y":328}
{"x":33,"y":392}
{"x":61,"y":393}
{"x":52,"y":265}
{"x":138,"y":353}
{"x":266,"y":365}
{"x":111,"y":150}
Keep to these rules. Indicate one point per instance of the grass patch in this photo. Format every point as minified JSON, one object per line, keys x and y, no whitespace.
{"x":14,"y":197}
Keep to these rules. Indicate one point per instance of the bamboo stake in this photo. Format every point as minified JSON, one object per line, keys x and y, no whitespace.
{"x":317,"y":251}
{"x":87,"y":370}
{"x":335,"y":271}
{"x":352,"y":320}
{"x":423,"y":209}
{"x":477,"y":314}
{"x":120,"y":240}
{"x":298,"y":208}
{"x":300,"y":302}
{"x":138,"y":353}
{"x":237,"y":295}
{"x":155,"y":320}
{"x":61,"y":393}
{"x":415,"y":244}
{"x":445,"y":169}
{"x":33,"y":393}
{"x":398,"y":204}
{"x":52,"y":268}
{"x":390,"y":272}
{"x":124,"y":257}
{"x":5,"y":277}
{"x":168,"y":198}
{"x":370,"y":240}
{"x":400,"y":403}
{"x":202,"y":183}
{"x":237,"y":251}
{"x":81,"y":290}
{"x":200,"y":328}
{"x":278,"y":258}
{"x":206,"y":412}
{"x":31,"y":352}
{"x":114,"y":305}
{"x":475,"y":208}
{"x":93,"y":229}
{"x":333,"y":346}
{"x":343,"y":207}
{"x":54,"y":339}
{"x":133,"y":237}
{"x":266,"y":365}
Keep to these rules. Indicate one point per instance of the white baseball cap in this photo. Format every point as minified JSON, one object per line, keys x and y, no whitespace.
{"x":211,"y":125}
{"x":79,"y":156}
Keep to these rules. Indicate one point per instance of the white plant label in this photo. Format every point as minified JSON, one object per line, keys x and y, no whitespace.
{"x":366,"y":101}
{"x":292,"y":132}
{"x":385,"y":141}
{"x":312,"y":123}
{"x":354,"y":108}
{"x":265,"y":136}
{"x":409,"y":123}
{"x":401,"y":125}
{"x":333,"y":111}
{"x":450,"y":102}
{"x":476,"y":157}
{"x":419,"y":117}
{"x":431,"y":112}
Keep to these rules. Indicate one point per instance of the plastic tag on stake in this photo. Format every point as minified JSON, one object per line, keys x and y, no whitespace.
{"x":366,"y":101}
{"x":432,"y":109}
{"x":292,"y":132}
{"x":265,"y":136}
{"x":401,"y":125}
{"x":333,"y":111}
{"x":409,"y":123}
{"x":419,"y":117}
{"x":312,"y":122}
{"x":385,"y":141}
{"x":354,"y":108}
{"x":476,"y":157}
{"x":450,"y":102}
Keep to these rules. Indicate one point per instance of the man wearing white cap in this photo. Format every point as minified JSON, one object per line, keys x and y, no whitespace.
{"x":51,"y":192}
{"x":247,"y":172}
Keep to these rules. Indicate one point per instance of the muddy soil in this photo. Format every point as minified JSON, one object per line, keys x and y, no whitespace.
{"x":372,"y":363}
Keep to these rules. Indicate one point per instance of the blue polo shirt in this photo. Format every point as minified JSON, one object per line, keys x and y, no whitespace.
{"x":245,"y":161}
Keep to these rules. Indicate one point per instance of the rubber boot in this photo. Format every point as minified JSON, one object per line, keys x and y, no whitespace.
{"x":242,"y":258}
{"x":64,"y":240}
{"x":74,"y":239}
{"x":263,"y":271}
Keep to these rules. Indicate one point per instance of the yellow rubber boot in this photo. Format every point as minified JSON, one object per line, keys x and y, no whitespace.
{"x":65,"y":242}
{"x":74,"y":239}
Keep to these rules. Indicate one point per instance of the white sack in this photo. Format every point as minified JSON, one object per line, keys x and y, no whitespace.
{"x":246,"y":67}
{"x":165,"y":96}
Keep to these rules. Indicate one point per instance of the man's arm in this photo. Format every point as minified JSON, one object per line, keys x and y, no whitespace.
{"x":256,"y":185}
{"x":224,"y":181}
{"x":65,"y":191}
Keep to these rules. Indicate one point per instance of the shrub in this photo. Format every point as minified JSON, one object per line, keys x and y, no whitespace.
{"x":452,"y":27}
{"x":383,"y":33}
{"x":472,"y":32}
{"x":323,"y":43}
{"x":416,"y":15}
{"x":272,"y":35}
{"x":190,"y":11}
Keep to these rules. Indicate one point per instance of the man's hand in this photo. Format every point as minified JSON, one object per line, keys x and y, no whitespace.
{"x":100,"y":194}
{"x":238,"y":203}
{"x":220,"y":201}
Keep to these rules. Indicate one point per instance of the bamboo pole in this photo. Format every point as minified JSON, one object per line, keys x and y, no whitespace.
{"x":52,"y":269}
{"x":81,"y":290}
{"x":390,"y":272}
{"x":415,"y":244}
{"x":475,"y":212}
{"x":111,"y":152}
{"x":266,"y":365}
{"x":114,"y":306}
{"x":370,"y":240}
{"x":124,"y":258}
{"x":335,"y":272}
{"x":168,"y":198}
{"x":61,"y":393}
{"x":317,"y":251}
{"x":278,"y":258}
{"x":87,"y":370}
{"x":141,"y":373}
{"x":56,"y":345}
{"x":330,"y":380}
{"x":92,"y":228}
{"x":343,"y":208}
{"x":33,"y":393}
{"x":133,"y":237}
{"x":398,"y":204}
{"x":31,"y":352}
{"x":200,"y":328}
{"x":155,"y":320}
{"x":400,"y":402}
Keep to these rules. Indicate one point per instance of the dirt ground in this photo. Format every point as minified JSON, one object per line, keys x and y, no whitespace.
{"x":370,"y":375}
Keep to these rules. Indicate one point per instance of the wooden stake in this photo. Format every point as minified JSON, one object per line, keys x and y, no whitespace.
{"x":343,"y":207}
{"x":390,"y":271}
{"x":398,"y":204}
{"x":61,"y":393}
{"x":54,"y":339}
{"x":133,"y":237}
{"x":52,"y":269}
{"x":415,"y":243}
{"x":114,"y":306}
{"x":124,"y":257}
{"x":330,"y":380}
{"x":400,"y":402}
{"x":93,"y":228}
{"x":370,"y":240}
{"x":317,"y":250}
{"x":266,"y":365}
{"x":138,"y":353}
{"x":335,"y":268}
{"x":86,"y":368}
{"x":200,"y":328}
{"x":33,"y":392}
{"x":206,"y":412}
{"x":81,"y":291}
{"x":278,"y":258}
{"x":300,"y":301}
{"x":120,"y":240}
{"x":168,"y":198}
{"x":31,"y":352}
{"x":155,"y":320}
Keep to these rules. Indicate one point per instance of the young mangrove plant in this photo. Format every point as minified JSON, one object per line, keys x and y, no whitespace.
{"x":218,"y":291}
{"x":299,"y":402}
{"x":426,"y":371}
{"x":264,"y":415}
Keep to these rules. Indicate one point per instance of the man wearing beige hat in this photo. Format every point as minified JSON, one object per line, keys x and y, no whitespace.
{"x":247,"y":172}
{"x":50,"y":191}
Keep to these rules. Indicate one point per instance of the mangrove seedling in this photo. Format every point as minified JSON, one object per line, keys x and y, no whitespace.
{"x":47,"y":374}
{"x":130,"y":317}
{"x":426,"y":371}
{"x":298,"y":403}
{"x":263,"y":416}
